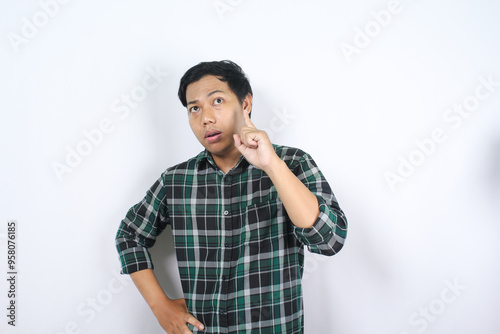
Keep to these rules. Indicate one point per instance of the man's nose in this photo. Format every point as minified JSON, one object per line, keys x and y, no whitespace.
{"x":207,"y":116}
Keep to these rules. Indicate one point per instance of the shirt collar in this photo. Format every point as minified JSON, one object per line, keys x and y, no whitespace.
{"x":204,"y":160}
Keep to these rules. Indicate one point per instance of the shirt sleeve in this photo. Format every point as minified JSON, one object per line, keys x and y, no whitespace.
{"x":327,"y":235}
{"x":139,"y":229}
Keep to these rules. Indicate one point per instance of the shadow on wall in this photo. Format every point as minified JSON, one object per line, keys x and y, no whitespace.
{"x":165,"y":262}
{"x":493,"y":181}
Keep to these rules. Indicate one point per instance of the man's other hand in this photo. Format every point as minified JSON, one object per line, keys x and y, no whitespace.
{"x":173,"y":317}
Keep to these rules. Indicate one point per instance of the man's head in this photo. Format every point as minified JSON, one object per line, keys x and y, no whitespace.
{"x":217,"y":96}
{"x":225,"y":70}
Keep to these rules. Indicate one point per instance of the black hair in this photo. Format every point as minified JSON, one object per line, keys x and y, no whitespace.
{"x":225,"y":70}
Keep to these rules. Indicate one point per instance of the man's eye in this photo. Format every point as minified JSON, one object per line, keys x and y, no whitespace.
{"x":193,"y":109}
{"x":218,"y":101}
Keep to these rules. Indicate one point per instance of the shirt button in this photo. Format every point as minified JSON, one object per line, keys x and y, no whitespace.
{"x":224,"y":278}
{"x":226,"y":244}
{"x":222,"y":312}
{"x":226,"y":213}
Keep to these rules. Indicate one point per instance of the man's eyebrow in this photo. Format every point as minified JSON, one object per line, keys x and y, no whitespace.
{"x":208,"y":95}
{"x":215,"y":91}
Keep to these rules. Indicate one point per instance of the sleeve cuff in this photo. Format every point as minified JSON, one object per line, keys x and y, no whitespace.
{"x":135,"y":259}
{"x":323,"y":228}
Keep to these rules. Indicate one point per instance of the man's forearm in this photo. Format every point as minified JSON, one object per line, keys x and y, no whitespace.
{"x":172,"y":315}
{"x":300,"y":203}
{"x":149,"y":287}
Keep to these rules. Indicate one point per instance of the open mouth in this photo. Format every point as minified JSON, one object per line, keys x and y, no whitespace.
{"x":213,"y":136}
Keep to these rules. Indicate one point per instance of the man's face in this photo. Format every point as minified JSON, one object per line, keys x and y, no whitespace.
{"x":215,"y":114}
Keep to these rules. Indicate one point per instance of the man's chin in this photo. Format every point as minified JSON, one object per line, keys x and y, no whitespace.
{"x":220,"y":152}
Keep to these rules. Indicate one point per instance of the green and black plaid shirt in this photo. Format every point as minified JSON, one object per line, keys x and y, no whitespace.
{"x":240,"y":257}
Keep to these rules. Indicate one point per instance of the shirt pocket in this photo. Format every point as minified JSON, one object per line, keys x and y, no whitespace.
{"x":262,"y":230}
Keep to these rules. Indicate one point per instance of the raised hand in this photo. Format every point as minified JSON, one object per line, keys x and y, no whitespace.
{"x":255,"y":145}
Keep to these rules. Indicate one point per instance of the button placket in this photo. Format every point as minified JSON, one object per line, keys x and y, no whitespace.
{"x":226,"y":251}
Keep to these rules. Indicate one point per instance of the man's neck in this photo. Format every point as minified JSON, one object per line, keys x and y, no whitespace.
{"x":226,"y":163}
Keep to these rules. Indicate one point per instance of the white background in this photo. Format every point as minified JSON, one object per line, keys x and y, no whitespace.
{"x":358,"y":114}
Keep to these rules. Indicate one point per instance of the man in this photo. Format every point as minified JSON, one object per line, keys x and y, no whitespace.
{"x":240,"y":211}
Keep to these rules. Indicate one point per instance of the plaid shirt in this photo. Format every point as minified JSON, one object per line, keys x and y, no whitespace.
{"x":240,"y":257}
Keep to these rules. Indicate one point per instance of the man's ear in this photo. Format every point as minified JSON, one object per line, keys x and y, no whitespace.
{"x":247,"y":104}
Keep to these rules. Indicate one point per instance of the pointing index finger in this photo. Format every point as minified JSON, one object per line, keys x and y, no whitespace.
{"x":248,"y":122}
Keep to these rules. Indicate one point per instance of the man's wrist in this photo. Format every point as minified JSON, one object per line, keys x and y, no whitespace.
{"x":276,"y":167}
{"x":159,"y":303}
